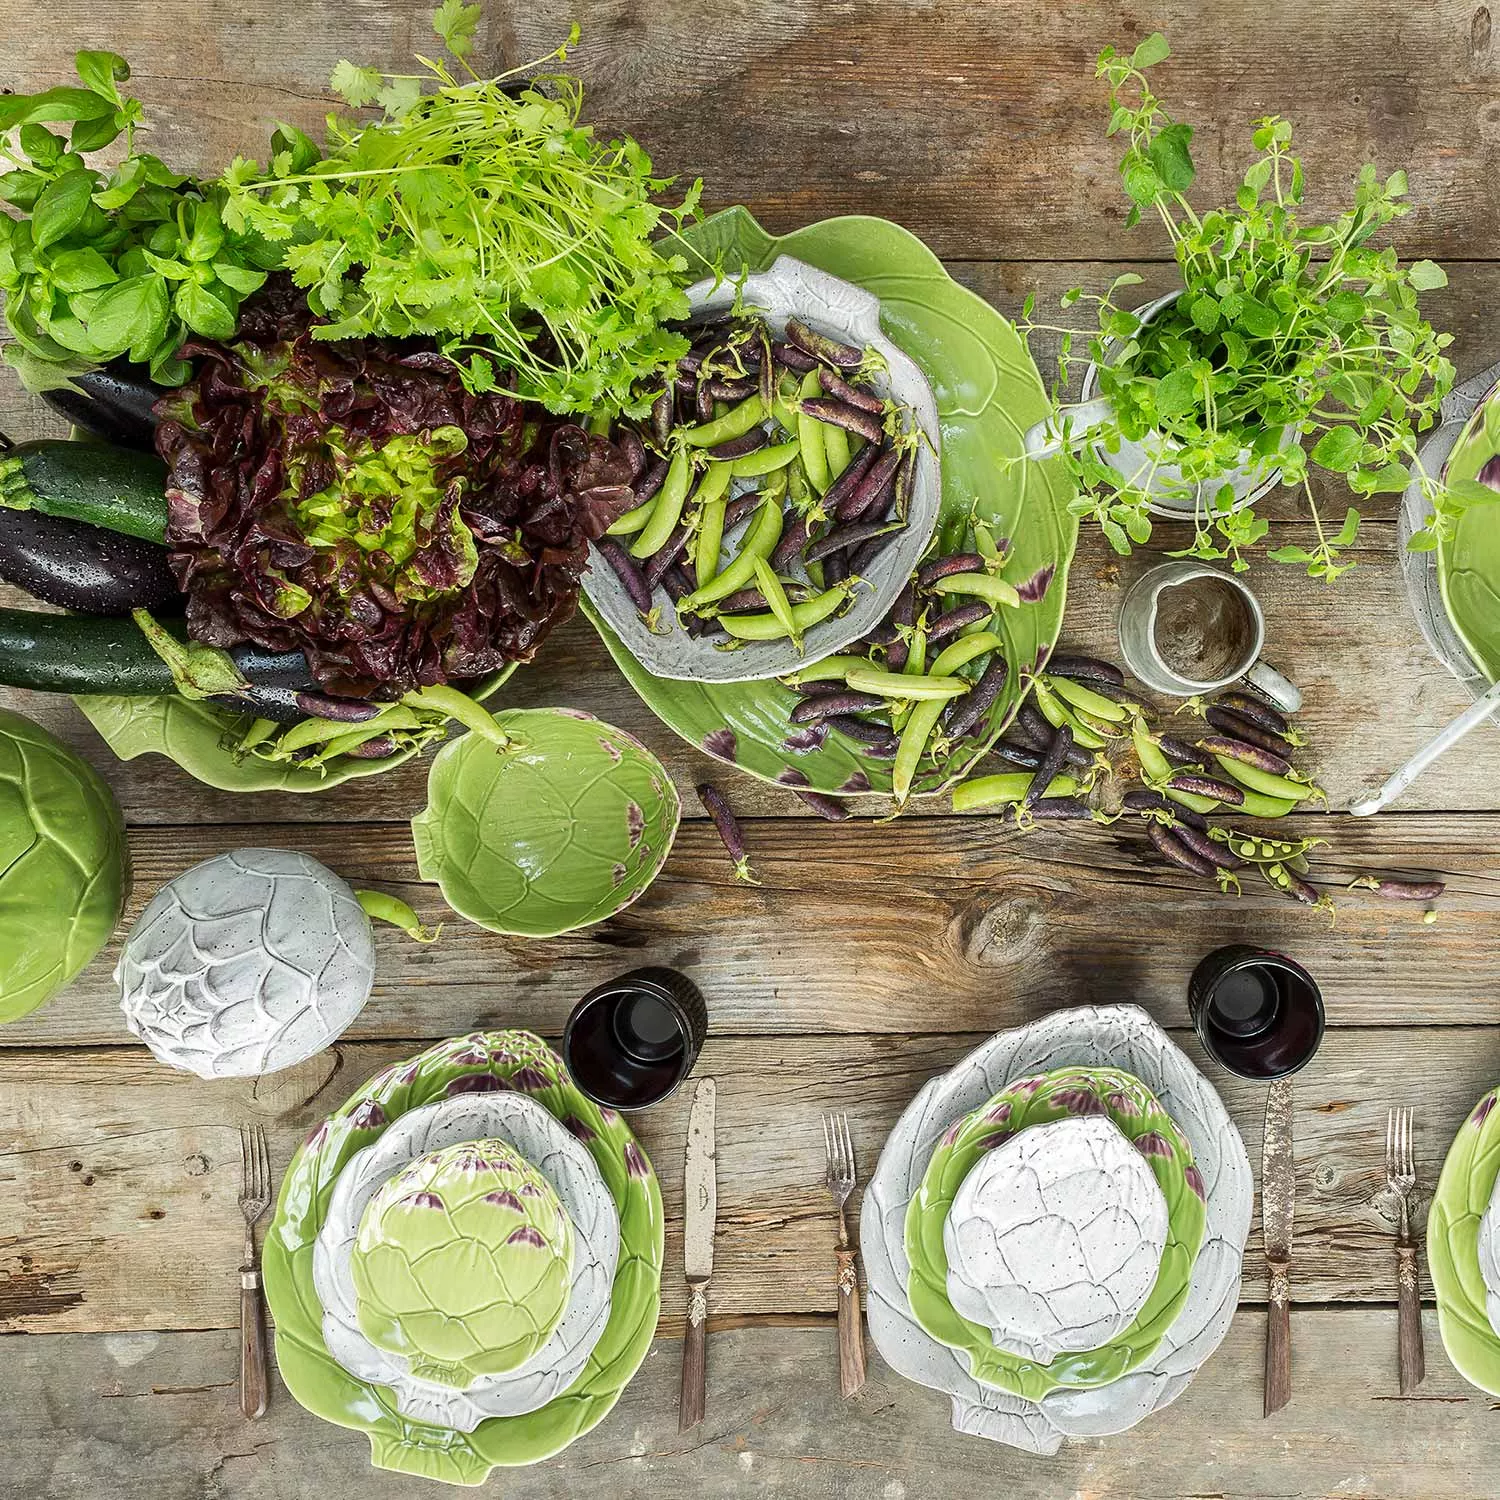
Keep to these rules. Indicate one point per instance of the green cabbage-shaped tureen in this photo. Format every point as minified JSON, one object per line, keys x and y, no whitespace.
{"x":462,"y":1263}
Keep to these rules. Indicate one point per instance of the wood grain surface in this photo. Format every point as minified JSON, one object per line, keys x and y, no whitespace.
{"x":875,"y":953}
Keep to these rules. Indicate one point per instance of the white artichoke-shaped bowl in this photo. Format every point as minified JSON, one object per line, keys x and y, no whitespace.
{"x":247,"y":963}
{"x":1055,"y":1238}
{"x":565,"y":1163}
{"x":1120,"y":1036}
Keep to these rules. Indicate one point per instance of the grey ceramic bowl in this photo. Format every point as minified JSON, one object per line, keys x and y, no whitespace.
{"x":791,"y":289}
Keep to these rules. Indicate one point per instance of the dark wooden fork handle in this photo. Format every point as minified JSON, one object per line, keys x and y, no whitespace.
{"x":693,"y":1393}
{"x":1412,"y":1366}
{"x":254,"y":1384}
{"x":1278,"y":1339}
{"x":851,"y":1336}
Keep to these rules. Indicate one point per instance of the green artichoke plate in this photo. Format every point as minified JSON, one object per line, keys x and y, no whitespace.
{"x":480,"y":1061}
{"x":988,"y":393}
{"x":1469,"y":559}
{"x":561,"y":828}
{"x":1037,"y":1100}
{"x":1465,"y":1187}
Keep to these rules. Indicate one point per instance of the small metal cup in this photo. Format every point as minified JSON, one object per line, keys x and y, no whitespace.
{"x":1257,"y":1012}
{"x":1143,"y":656}
{"x":630,"y":1043}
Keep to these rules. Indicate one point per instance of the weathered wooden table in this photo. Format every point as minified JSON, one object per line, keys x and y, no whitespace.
{"x":874,"y":953}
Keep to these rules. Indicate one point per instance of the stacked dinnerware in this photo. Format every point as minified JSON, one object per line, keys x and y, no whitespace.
{"x":1054,"y":1232}
{"x":465,"y":1260}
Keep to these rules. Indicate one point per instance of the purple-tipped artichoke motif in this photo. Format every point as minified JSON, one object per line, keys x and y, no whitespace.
{"x":721,"y":744}
{"x":367,"y":1115}
{"x":636,"y":1164}
{"x":810,"y":737}
{"x":1000,"y":1114}
{"x":635,"y":822}
{"x":476,"y":1083}
{"x":611,"y":749}
{"x":529,"y":1080}
{"x":1153,"y":1143}
{"x":856,"y":781}
{"x":1482,"y":1109}
{"x":526,"y":1235}
{"x":993,"y":1139}
{"x":1121,"y":1104}
{"x":791,"y":776}
{"x":1489,"y":475}
{"x":1078,"y":1101}
{"x":579,"y":1129}
{"x":1035,"y":588}
{"x":1195,"y":1181}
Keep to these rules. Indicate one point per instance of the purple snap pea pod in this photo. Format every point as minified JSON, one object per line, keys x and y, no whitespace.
{"x":840,"y":414}
{"x":825,"y":807}
{"x":1141,"y":800}
{"x":340,"y":710}
{"x":1206,"y":786}
{"x":836,"y":569}
{"x":941,"y":567}
{"x":1033,"y":723}
{"x":675,"y":545}
{"x":634,"y":450}
{"x":842,"y":537}
{"x":1299,"y":889}
{"x":1259,"y":713}
{"x":729,"y":830}
{"x":1246,"y":754}
{"x":789,"y":548}
{"x":1399,"y":890}
{"x":1179,"y":750}
{"x":863,"y":731}
{"x":821,"y":347}
{"x":906,"y":479}
{"x":1220,"y":855}
{"x":954,"y":620}
{"x":1018,"y":755}
{"x":376,"y":749}
{"x":1052,"y":762}
{"x":835,"y":705}
{"x":1172,"y":848}
{"x":977,"y":702}
{"x":738,"y":447}
{"x":652,"y":480}
{"x":691,"y":362}
{"x":740,"y":507}
{"x":703,"y":402}
{"x":661,"y":419}
{"x":790,"y":357}
{"x":870,"y":490}
{"x":745,"y":599}
{"x":627,"y":572}
{"x":850,"y":395}
{"x":732,"y":390}
{"x":1085,"y":669}
{"x":850,"y":480}
{"x":1226,"y":721}
{"x":677,"y":584}
{"x":1071,"y":809}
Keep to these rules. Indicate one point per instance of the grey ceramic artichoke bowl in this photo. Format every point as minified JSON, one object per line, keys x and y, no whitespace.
{"x":791,"y":289}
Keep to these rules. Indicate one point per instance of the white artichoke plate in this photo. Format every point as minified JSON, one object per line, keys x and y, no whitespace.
{"x":247,"y":963}
{"x":1488,"y":1246}
{"x":1055,"y":1238}
{"x":1121,"y":1036}
{"x":567,"y":1165}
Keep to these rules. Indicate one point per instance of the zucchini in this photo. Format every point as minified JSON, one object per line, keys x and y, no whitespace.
{"x":113,"y":403}
{"x":115,"y":488}
{"x":77,"y":566}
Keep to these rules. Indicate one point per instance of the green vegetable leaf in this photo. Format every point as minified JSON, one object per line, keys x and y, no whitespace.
{"x":203,"y":312}
{"x":1426,"y":275}
{"x":80,"y":270}
{"x":455,"y":23}
{"x":1152,"y":50}
{"x":94,"y":135}
{"x":61,"y":207}
{"x":241,"y":279}
{"x":1172,"y":159}
{"x":1338,"y":449}
{"x":126,"y":312}
{"x":358,"y":86}
{"x":50,"y":106}
{"x":102,"y":73}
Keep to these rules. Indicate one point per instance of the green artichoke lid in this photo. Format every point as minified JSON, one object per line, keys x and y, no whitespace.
{"x":462,"y":1263}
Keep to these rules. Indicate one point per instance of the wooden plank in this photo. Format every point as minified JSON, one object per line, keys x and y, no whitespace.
{"x":803,"y":111}
{"x":78,"y":1407}
{"x":911,"y":926}
{"x":1353,"y":647}
{"x":122,"y":1176}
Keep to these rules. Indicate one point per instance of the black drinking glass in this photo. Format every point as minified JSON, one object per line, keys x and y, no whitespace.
{"x":1256,"y":1012}
{"x":630,"y":1042}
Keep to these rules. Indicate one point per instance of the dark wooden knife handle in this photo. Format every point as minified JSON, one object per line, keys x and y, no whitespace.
{"x":694,"y":1398}
{"x":1412,"y":1366}
{"x":254,"y":1383}
{"x":851,"y":1335}
{"x":1278,"y":1338}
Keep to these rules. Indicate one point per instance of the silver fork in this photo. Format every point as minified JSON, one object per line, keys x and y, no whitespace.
{"x":1401,"y":1178}
{"x":839,"y":1178}
{"x":255,"y":1199}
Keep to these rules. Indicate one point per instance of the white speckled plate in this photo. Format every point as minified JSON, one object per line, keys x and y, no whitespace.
{"x":1121,"y":1036}
{"x":793,"y":289}
{"x":563,"y":1161}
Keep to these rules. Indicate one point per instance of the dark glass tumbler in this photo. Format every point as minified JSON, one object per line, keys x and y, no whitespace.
{"x":630,"y":1042}
{"x":1256,"y":1012}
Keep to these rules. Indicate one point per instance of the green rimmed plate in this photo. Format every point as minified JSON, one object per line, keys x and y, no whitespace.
{"x":1035,"y":1100}
{"x":988,"y":393}
{"x":1469,"y":560}
{"x":480,"y":1061}
{"x":1465,"y":1187}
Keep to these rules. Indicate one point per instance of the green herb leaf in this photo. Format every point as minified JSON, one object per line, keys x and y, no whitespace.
{"x":61,"y":207}
{"x":1172,"y":159}
{"x":455,"y":22}
{"x":1338,"y":449}
{"x":1426,"y":275}
{"x":358,"y":86}
{"x":102,"y":73}
{"x":1150,"y":52}
{"x":203,"y":312}
{"x":80,"y":270}
{"x":94,"y":135}
{"x":126,"y":311}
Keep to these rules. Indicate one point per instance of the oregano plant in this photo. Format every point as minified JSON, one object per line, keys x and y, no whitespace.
{"x":1292,"y":347}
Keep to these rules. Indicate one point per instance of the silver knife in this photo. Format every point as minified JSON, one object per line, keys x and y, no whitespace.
{"x":700,"y":1196}
{"x":1278,"y":1192}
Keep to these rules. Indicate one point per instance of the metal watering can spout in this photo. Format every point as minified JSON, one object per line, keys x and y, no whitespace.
{"x":1066,"y":427}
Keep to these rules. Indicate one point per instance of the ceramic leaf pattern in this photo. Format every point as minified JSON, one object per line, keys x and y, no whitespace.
{"x":565,"y":826}
{"x":1468,"y":560}
{"x":1121,"y":1037}
{"x":558,"y":1153}
{"x":247,"y":963}
{"x":988,"y":393}
{"x":477,"y":1064}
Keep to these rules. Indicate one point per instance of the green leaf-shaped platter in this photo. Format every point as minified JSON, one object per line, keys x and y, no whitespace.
{"x":560,"y":829}
{"x":988,"y":393}
{"x":1037,"y":1100}
{"x":1469,"y":560}
{"x":1465,"y":1187}
{"x":482,"y":1060}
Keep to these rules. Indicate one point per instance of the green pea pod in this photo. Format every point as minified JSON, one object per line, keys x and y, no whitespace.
{"x":1154,"y":765}
{"x":776,"y":600}
{"x":997,"y":791}
{"x":916,"y":654}
{"x":735,"y":422}
{"x":836,"y":447}
{"x":962,"y":651}
{"x":635,"y":519}
{"x":914,"y":738}
{"x":452,"y":704}
{"x":984,"y":545}
{"x":765,"y":460}
{"x":710,"y":539}
{"x":759,"y":541}
{"x":668,"y":512}
{"x":258,"y":733}
{"x":810,"y":434}
{"x":799,"y":488}
{"x":1257,"y":806}
{"x":830,"y":669}
{"x":981,"y":585}
{"x":899,"y":687}
{"x":1088,"y":700}
{"x":1281,"y":788}
{"x":770,"y":627}
{"x":383,"y":907}
{"x":1057,"y":714}
{"x":317,"y":731}
{"x":1191,"y":800}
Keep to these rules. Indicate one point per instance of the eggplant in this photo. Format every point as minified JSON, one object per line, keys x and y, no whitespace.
{"x":113,"y":402}
{"x":81,"y":567}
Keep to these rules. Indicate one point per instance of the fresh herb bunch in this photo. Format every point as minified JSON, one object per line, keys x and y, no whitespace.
{"x":1283,"y":331}
{"x":485,"y":216}
{"x":101,"y":263}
